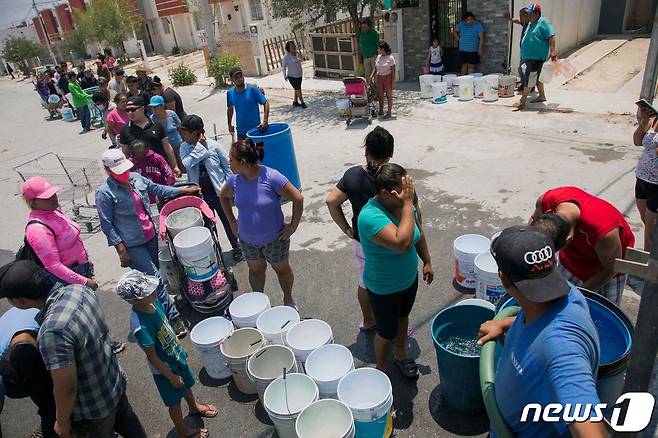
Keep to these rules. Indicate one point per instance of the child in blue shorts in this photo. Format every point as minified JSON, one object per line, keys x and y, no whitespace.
{"x":166,"y":356}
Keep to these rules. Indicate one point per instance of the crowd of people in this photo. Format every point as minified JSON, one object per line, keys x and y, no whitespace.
{"x":55,"y":344}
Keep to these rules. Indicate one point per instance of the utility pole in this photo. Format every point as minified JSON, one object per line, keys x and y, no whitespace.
{"x":45,"y":32}
{"x":651,"y":69}
{"x":209,"y":24}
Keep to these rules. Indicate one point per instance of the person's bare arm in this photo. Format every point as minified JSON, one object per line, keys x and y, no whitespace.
{"x":538,"y":212}
{"x":65,"y":390}
{"x":334,"y":202}
{"x":491,"y":330}
{"x":226,"y":201}
{"x":400,"y":238}
{"x":109,"y":130}
{"x":481,"y":46}
{"x":551,"y":43}
{"x":266,"y":116}
{"x":229,"y":117}
{"x":455,"y":32}
{"x":171,"y":157}
{"x":642,"y":127}
{"x":290,"y":192}
{"x":587,"y":429}
{"x":175,"y":380}
{"x":608,"y":248}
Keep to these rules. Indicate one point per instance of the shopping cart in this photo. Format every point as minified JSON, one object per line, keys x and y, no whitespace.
{"x":78,"y":177}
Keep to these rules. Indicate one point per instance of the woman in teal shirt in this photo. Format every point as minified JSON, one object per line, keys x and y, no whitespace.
{"x":392,"y":240}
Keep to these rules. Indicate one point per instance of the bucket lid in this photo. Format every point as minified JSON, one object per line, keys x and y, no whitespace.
{"x":351,"y":388}
{"x":211,"y":331}
{"x":329,"y":362}
{"x":191,"y":237}
{"x":249,"y":305}
{"x":472,"y":244}
{"x":289,"y":396}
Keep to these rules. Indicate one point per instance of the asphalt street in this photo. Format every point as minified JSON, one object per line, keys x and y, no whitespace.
{"x":478,"y":169}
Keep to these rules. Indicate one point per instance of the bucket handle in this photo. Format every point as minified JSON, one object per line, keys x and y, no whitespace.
{"x":261,"y":353}
{"x":287,"y":322}
{"x":254,"y":343}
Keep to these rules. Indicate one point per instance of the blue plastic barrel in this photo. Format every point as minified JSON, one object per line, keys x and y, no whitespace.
{"x":459,"y":371}
{"x":279,"y":150}
{"x":615,"y":340}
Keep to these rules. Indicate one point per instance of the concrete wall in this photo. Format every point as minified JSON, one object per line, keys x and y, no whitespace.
{"x":415,"y":39}
{"x":575,"y":22}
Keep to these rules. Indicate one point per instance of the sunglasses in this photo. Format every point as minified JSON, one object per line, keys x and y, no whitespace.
{"x":133,"y":109}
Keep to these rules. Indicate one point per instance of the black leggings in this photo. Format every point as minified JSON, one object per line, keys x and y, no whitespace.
{"x":388,"y":309}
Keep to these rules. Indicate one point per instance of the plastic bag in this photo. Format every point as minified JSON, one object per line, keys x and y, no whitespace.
{"x":564,"y":67}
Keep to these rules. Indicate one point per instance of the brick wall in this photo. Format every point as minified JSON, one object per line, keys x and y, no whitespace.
{"x":496,"y":44}
{"x":415,"y":38}
{"x":416,"y":35}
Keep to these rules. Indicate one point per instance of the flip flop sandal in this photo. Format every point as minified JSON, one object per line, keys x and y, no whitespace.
{"x":407,"y":367}
{"x":209,"y":412}
{"x":197,"y":434}
{"x":364,"y":329}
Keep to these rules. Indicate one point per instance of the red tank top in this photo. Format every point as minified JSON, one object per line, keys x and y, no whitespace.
{"x":597,"y":218}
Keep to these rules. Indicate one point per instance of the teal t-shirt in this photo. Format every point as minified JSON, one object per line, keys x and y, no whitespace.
{"x":154,"y":330}
{"x":535,"y":41}
{"x":369,"y":42}
{"x":386,"y":271}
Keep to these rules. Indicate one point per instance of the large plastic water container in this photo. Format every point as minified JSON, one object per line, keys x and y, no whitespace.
{"x":274,"y":323}
{"x":369,"y":395}
{"x":195,"y":250}
{"x":183,"y":219}
{"x":466,"y":248}
{"x":615,"y":340}
{"x":426,"y":86}
{"x":285,"y":398}
{"x":246,"y":308}
{"x":267,"y":364}
{"x":237,"y":348}
{"x":279,"y":150}
{"x":439,"y":92}
{"x":506,"y":86}
{"x":206,"y":337}
{"x":451,"y":82}
{"x":454,"y":333}
{"x":308,"y":335}
{"x":466,"y":88}
{"x":327,"y":365}
{"x":488,"y":283}
{"x":326,"y":419}
{"x":490,"y":88}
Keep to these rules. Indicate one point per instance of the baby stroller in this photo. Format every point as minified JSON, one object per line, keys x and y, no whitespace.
{"x":215,"y":294}
{"x":361,"y":98}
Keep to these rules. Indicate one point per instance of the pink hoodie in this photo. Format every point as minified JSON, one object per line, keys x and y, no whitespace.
{"x":57,"y":253}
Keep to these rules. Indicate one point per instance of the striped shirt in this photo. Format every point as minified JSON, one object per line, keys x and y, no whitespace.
{"x":73,"y":330}
{"x":469,"y":36}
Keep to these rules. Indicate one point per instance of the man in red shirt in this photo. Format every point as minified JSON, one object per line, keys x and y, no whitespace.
{"x":590,"y":234}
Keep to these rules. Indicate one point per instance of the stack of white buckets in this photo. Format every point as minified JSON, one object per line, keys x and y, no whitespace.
{"x":466,"y":87}
{"x":475,"y":267}
{"x":306,"y":383}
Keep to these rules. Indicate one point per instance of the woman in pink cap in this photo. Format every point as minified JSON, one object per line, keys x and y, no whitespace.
{"x":55,"y":238}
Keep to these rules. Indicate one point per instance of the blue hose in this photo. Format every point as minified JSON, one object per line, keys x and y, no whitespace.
{"x":488,"y":377}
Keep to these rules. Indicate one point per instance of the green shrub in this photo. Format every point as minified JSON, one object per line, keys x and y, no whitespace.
{"x":175,"y":50}
{"x":181,"y":75}
{"x":220,"y":66}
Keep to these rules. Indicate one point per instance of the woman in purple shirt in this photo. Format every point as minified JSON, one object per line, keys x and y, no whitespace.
{"x":264,"y":236}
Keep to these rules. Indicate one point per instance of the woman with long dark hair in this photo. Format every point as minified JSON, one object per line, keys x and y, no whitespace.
{"x":392,"y":241}
{"x":264,"y":236}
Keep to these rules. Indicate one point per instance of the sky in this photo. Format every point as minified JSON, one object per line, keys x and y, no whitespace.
{"x":15,"y":11}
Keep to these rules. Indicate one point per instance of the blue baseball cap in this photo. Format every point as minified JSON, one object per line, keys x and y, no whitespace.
{"x":156,"y":101}
{"x":535,"y":7}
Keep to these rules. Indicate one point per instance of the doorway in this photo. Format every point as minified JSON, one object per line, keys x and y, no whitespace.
{"x":444,"y":16}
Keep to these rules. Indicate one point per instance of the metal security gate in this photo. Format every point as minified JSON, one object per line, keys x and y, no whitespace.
{"x":444,"y":16}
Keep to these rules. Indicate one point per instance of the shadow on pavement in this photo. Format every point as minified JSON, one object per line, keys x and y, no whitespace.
{"x":455,"y":422}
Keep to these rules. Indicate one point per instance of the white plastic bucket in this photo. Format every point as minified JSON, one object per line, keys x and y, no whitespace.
{"x":237,"y":348}
{"x":308,"y":335}
{"x":183,"y":219}
{"x":246,"y":308}
{"x":488,"y":287}
{"x":343,"y":107}
{"x":477,"y":75}
{"x":327,"y":365}
{"x":206,"y":337}
{"x":451,"y":81}
{"x":67,"y":114}
{"x":466,"y":88}
{"x":326,"y":419}
{"x":267,"y":364}
{"x":466,"y":248}
{"x":285,"y":398}
{"x":490,"y":88}
{"x":168,"y":269}
{"x":439,"y":92}
{"x":506,"y":86}
{"x":274,"y":323}
{"x":195,"y":250}
{"x":477,"y":302}
{"x":426,"y":86}
{"x":368,"y":394}
{"x":547,"y":72}
{"x":478,"y":87}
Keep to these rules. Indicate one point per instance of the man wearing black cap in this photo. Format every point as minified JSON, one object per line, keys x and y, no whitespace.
{"x":141,"y":128}
{"x":243,"y":100}
{"x":88,"y":384}
{"x":551,"y":350}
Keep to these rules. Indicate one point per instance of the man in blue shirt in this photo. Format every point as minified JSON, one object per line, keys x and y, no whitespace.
{"x":551,"y":349}
{"x":470,"y":35}
{"x":537,"y":45}
{"x":244,"y":101}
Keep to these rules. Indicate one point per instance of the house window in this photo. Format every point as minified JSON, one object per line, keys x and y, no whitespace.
{"x":166,"y":26}
{"x":256,"y":9}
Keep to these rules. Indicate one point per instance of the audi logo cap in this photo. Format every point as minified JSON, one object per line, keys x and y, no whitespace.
{"x":527,"y":257}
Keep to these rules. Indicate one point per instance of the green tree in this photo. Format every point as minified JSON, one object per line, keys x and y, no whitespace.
{"x":75,"y":41}
{"x":21,"y":50}
{"x":312,"y":10}
{"x":107,"y":21}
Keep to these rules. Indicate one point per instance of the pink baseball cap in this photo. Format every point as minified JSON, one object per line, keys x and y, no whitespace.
{"x":38,"y":187}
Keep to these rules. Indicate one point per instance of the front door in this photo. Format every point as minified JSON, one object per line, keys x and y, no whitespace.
{"x":444,"y":16}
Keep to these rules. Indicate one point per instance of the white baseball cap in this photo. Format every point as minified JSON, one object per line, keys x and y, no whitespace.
{"x":114,"y":160}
